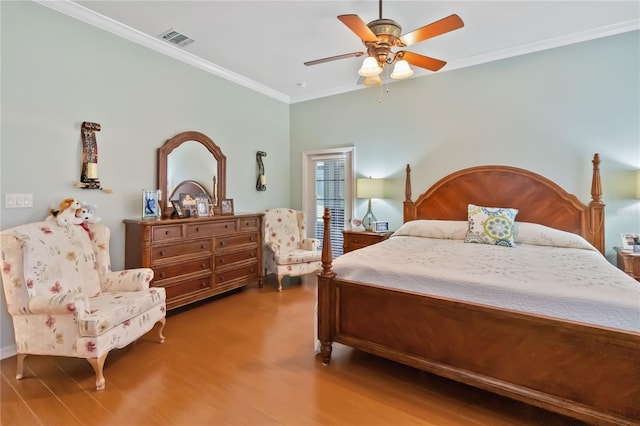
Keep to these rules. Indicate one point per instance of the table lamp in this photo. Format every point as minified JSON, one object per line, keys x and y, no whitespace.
{"x":369,"y":188}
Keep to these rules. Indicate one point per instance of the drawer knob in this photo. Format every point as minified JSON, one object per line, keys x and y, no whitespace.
{"x":202,"y":246}
{"x":221,"y":260}
{"x":161,"y":253}
{"x":221,"y":277}
{"x":203,"y":265}
{"x":203,"y":284}
{"x":166,"y":232}
{"x":163,"y":275}
{"x":221,"y":243}
{"x":197,"y":229}
{"x":252,"y":254}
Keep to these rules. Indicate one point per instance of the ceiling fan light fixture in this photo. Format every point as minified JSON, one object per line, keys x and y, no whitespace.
{"x":372,"y":81}
{"x":401,"y":70}
{"x":370,"y":67}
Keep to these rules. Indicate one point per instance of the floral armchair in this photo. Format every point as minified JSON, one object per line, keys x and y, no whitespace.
{"x":287,"y":250}
{"x":65,"y":300}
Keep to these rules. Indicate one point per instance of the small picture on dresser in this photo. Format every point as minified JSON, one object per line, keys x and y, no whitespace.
{"x":177,"y":208}
{"x":227,"y":206}
{"x":202,"y":207}
{"x":629,"y":240}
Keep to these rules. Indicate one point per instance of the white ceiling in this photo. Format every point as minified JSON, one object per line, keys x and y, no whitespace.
{"x":263,"y":44}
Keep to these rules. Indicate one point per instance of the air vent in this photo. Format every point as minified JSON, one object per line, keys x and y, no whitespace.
{"x":174,"y":37}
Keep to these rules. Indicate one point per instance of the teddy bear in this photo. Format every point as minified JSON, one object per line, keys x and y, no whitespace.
{"x":87,"y":214}
{"x":65,"y":215}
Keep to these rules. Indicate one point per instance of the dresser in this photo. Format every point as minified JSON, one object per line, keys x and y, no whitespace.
{"x":629,"y":262}
{"x":197,"y":258}
{"x":354,"y":240}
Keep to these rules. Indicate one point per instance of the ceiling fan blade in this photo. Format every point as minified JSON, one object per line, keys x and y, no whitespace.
{"x":334,"y":58}
{"x":422,"y":61}
{"x":359,"y":27}
{"x":450,"y":23}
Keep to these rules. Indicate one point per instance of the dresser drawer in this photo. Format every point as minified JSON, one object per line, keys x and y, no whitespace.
{"x":166,"y":233}
{"x":162,"y":253}
{"x":182,"y":288}
{"x":250,"y":224}
{"x":239,"y":256}
{"x":236,"y":240}
{"x":236,"y":273}
{"x":208,"y":229}
{"x":182,"y":268}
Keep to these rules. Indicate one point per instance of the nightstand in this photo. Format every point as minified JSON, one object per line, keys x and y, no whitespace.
{"x":629,"y":262}
{"x":354,"y":240}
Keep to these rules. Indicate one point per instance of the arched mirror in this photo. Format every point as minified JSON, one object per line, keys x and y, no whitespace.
{"x":191,"y":162}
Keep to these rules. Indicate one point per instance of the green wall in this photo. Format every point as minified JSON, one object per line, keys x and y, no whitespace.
{"x":548,"y":112}
{"x":57,"y":72}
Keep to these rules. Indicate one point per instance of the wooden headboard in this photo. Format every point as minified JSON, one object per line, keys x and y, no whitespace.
{"x":538,"y":199}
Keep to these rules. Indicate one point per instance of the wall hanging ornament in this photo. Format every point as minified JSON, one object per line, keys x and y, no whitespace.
{"x":261,"y":184}
{"x":89,"y":175}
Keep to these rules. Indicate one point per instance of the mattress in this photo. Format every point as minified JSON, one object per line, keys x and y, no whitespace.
{"x":548,"y":272}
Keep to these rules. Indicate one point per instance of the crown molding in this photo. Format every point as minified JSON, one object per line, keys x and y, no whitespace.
{"x":88,"y":16}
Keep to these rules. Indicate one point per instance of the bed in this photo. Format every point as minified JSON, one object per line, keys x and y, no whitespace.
{"x":588,"y":369}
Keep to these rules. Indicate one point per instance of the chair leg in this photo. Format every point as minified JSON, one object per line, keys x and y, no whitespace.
{"x":162,"y":322}
{"x":280,"y":277}
{"x":20,"y":369}
{"x":98,"y":364}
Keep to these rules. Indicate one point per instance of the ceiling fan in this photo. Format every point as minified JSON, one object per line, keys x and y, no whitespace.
{"x":381,"y":35}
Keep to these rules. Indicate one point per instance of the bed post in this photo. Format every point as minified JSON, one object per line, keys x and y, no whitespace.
{"x":409,"y":213}
{"x":596,"y":208}
{"x":326,"y":292}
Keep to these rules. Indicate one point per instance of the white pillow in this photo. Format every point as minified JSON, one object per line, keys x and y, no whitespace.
{"x":491,"y":225}
{"x":442,"y":229}
{"x":540,"y":235}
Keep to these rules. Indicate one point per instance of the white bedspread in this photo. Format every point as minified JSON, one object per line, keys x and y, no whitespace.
{"x":549,"y":272}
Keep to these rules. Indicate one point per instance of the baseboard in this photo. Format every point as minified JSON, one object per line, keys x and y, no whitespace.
{"x":8,"y":351}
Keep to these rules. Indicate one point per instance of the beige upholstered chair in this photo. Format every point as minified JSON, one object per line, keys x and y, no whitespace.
{"x":287,"y":250}
{"x":65,"y":300}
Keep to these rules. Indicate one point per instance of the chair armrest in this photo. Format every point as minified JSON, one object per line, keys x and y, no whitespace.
{"x":310,"y":244}
{"x":273,"y":246}
{"x":59,"y":304}
{"x":128,"y":280}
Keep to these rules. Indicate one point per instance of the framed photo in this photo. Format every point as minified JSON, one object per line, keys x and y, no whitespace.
{"x":380,"y":226}
{"x":188,"y":204}
{"x":151,"y":204}
{"x":628,"y":240}
{"x":202,"y":207}
{"x":178,"y":208}
{"x":226,"y":206}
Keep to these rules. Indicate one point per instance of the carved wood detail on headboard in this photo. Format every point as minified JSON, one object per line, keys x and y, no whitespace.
{"x":538,"y":199}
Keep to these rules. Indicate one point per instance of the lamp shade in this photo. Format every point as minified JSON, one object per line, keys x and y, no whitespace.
{"x":401,"y":70}
{"x":372,"y":81}
{"x":370,"y":67}
{"x":370,"y":188}
{"x":638,"y":184}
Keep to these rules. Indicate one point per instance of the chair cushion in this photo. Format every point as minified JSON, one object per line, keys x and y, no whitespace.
{"x":298,"y":256}
{"x":110,"y":309}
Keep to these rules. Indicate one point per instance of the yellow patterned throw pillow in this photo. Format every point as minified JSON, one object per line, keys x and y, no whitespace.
{"x":491,"y":225}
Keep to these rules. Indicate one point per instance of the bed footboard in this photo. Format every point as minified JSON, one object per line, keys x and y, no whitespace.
{"x":586,"y":372}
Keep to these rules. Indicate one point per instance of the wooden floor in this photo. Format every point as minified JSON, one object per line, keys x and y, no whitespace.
{"x":247,"y":359}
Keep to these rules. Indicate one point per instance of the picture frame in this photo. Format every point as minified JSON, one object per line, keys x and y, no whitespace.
{"x":202,"y":207}
{"x":226,"y":206}
{"x":188,"y":204}
{"x":178,"y":208}
{"x":628,"y":240}
{"x":151,"y":204}
{"x":380,"y":226}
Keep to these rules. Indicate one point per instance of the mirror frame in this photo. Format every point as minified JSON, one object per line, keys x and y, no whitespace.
{"x":175,"y":142}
